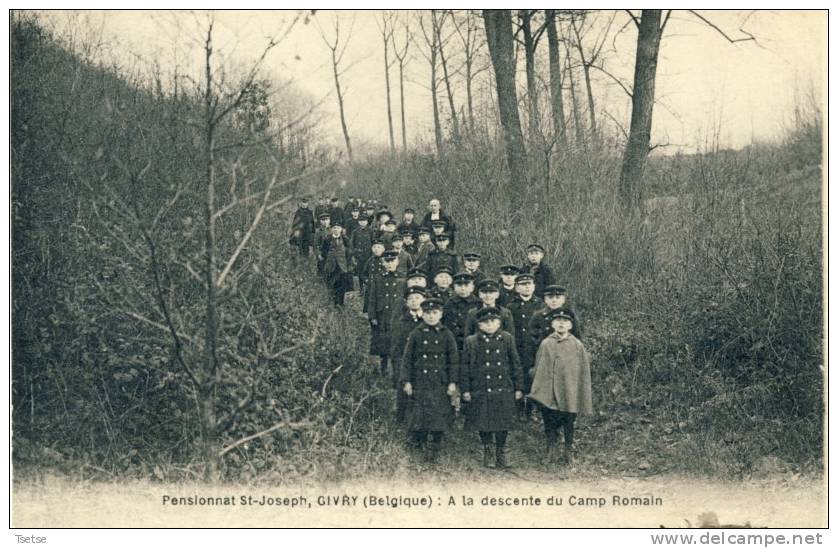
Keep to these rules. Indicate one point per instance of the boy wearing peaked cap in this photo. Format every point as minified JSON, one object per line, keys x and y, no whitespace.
{"x":555,"y":296}
{"x":523,"y":307}
{"x":409,"y":244}
{"x":442,"y":284}
{"x":336,"y":212}
{"x":562,"y":382}
{"x":424,"y":246}
{"x":442,"y":257}
{"x":458,"y":306}
{"x":361,"y":243}
{"x":541,"y":271}
{"x":415,"y":278}
{"x":388,"y":232}
{"x":385,"y":294}
{"x":321,"y":234}
{"x":508,"y":273}
{"x":404,"y":258}
{"x":337,"y":259}
{"x":408,"y":223}
{"x":409,"y":318}
{"x":429,"y":375}
{"x":471,"y":264}
{"x":351,"y":220}
{"x":302,"y":228}
{"x":488,"y":293}
{"x":373,"y":268}
{"x":322,"y":206}
{"x":491,"y":381}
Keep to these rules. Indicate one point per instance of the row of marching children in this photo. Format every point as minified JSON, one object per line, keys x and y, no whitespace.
{"x":455,"y":341}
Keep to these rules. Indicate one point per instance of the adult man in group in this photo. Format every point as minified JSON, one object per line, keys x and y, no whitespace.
{"x":436,"y":214}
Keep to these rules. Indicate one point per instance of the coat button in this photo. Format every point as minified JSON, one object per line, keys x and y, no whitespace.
{"x":488,"y":376}
{"x":425,"y":356}
{"x":489,"y":390}
{"x":425,"y":371}
{"x":497,"y":351}
{"x":487,"y":351}
{"x":424,"y":342}
{"x":488,"y":364}
{"x":500,"y":363}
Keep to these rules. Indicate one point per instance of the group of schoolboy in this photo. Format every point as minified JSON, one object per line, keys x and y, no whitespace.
{"x":454,"y":340}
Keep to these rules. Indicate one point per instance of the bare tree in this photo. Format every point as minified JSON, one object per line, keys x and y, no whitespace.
{"x":338,"y":49}
{"x":577,"y":116}
{"x":468,"y":30}
{"x":529,"y":42}
{"x":386,"y":27}
{"x":556,"y":100}
{"x":498,"y":25}
{"x":580,"y":25}
{"x":432,"y":42}
{"x":401,"y":53}
{"x":439,"y":18}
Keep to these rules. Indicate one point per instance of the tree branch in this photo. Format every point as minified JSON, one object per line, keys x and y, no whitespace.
{"x":749,"y":37}
{"x":284,"y":424}
{"x":617,"y":80}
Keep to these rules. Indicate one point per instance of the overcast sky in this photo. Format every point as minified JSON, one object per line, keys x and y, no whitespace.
{"x":746,"y":89}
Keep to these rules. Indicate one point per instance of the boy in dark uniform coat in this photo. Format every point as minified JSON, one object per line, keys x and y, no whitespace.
{"x":322,"y":206}
{"x":381,"y":218}
{"x":458,"y":306}
{"x":408,"y":319}
{"x":408,"y":224}
{"x":351,"y":220}
{"x":320,"y":236}
{"x":361,"y":243}
{"x":523,"y":308}
{"x":442,"y":257}
{"x":336,"y":212}
{"x":404,"y":258}
{"x":337,"y":258}
{"x":369,"y":213}
{"x":438,"y":229}
{"x":423,"y":248}
{"x":373,"y":268}
{"x":541,"y":271}
{"x":507,"y":284}
{"x":388,"y":232}
{"x":302,"y":228}
{"x":415,"y":278}
{"x":491,"y":381}
{"x":488,"y":293}
{"x":554,"y":297}
{"x":409,"y":244}
{"x":443,"y":278}
{"x":429,"y":374}
{"x":385,"y":294}
{"x":471,"y":264}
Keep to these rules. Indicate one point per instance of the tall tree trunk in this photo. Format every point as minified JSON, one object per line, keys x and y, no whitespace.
{"x":556,"y":101}
{"x":401,"y":103}
{"x":469,"y":95}
{"x":455,"y":125}
{"x":435,"y":100}
{"x":591,"y":108}
{"x":534,"y":125}
{"x":642,"y":104}
{"x":387,"y":84}
{"x":340,"y":106}
{"x":501,"y":49}
{"x":577,"y":117}
{"x":206,"y":390}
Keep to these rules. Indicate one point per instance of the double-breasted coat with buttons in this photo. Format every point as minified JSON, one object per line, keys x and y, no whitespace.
{"x":372,"y":269}
{"x":491,"y":373}
{"x":522,"y":312}
{"x":455,"y":313}
{"x":385,"y":295}
{"x":429,"y":363}
{"x":402,"y":326}
{"x":507,"y":322}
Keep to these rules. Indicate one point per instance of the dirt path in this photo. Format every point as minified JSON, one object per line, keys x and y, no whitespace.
{"x":58,"y":502}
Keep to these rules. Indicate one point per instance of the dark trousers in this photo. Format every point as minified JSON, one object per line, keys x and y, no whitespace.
{"x":500,"y":438}
{"x":556,"y":420}
{"x":340,"y":282}
{"x":304,"y":246}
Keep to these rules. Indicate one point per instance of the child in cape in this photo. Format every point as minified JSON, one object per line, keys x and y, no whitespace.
{"x":562,"y":383}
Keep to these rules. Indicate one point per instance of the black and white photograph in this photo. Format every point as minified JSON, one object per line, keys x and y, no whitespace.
{"x":419,"y":268}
